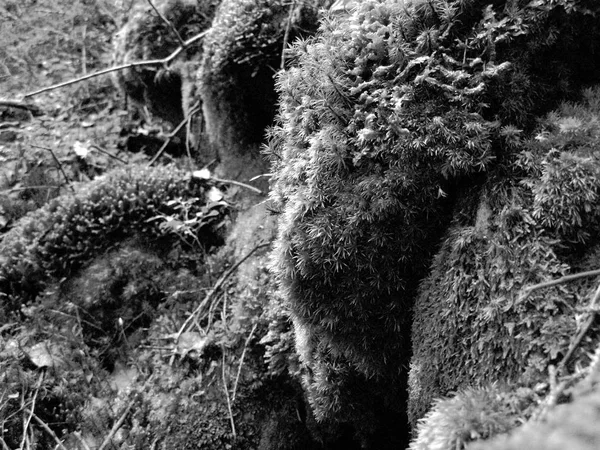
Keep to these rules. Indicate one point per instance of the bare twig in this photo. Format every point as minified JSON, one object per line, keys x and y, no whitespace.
{"x":239,"y":371}
{"x":4,"y":444}
{"x":28,"y":421}
{"x":107,"y":153}
{"x":35,"y":110}
{"x":77,"y":434}
{"x":216,"y":288}
{"x":118,"y":424}
{"x":582,"y":331}
{"x":169,"y":24}
{"x":151,"y":62}
{"x":565,"y":279}
{"x":25,"y":188}
{"x":238,"y":183}
{"x":286,"y":36}
{"x":46,"y":428}
{"x":60,"y":166}
{"x":227,"y":395}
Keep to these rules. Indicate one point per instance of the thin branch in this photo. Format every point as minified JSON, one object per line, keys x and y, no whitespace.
{"x":169,"y":24}
{"x":238,"y":183}
{"x":227,"y":395}
{"x":25,"y":188}
{"x":150,"y":62}
{"x":35,"y":110}
{"x":77,"y":434}
{"x":116,"y":426}
{"x":565,"y":279}
{"x":107,"y":153}
{"x":171,"y":136}
{"x":286,"y":36}
{"x":26,"y":424}
{"x":582,"y":331}
{"x":60,"y":167}
{"x":4,"y":444}
{"x":239,"y":371}
{"x":46,"y":428}
{"x":216,"y":288}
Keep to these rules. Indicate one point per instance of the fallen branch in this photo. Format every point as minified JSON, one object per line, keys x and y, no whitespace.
{"x":34,"y":109}
{"x":215,"y":289}
{"x":4,"y":444}
{"x":169,"y":24}
{"x":171,"y":136}
{"x":107,"y":153}
{"x":116,"y":426}
{"x":238,"y":183}
{"x":286,"y":36}
{"x":565,"y":279}
{"x":582,"y":331}
{"x":151,"y":62}
{"x":227,"y":395}
{"x":60,"y":167}
{"x":47,"y":429}
{"x":239,"y":371}
{"x":28,"y":421}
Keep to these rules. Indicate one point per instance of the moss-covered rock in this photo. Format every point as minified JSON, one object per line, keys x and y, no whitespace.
{"x":242,"y":52}
{"x":72,"y":229}
{"x":475,"y":321}
{"x":146,"y":36}
{"x":569,"y":426}
{"x":392,"y":117}
{"x":471,"y":414}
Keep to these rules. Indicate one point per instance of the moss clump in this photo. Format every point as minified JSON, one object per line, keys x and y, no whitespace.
{"x":376,"y":141}
{"x":71,"y":230}
{"x":474,"y":322}
{"x":469,"y":415}
{"x":146,"y":36}
{"x":242,"y":52}
{"x":570,"y":426}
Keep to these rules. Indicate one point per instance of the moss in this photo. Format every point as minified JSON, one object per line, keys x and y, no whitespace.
{"x":242,"y":52}
{"x":375,"y":143}
{"x":570,"y":426}
{"x":469,"y":415}
{"x":146,"y":36}
{"x":473,"y":321}
{"x":72,"y":229}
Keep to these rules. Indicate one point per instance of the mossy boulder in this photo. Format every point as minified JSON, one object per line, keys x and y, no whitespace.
{"x":243,"y":50}
{"x":475,"y":321}
{"x":71,"y":230}
{"x":381,"y":146}
{"x":145,"y":36}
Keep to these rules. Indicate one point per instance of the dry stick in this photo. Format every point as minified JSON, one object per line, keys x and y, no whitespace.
{"x":4,"y":444}
{"x":575,"y":276}
{"x":151,"y":62}
{"x":26,"y":425}
{"x":286,"y":36}
{"x":77,"y":434}
{"x":116,"y":426}
{"x":34,"y":109}
{"x":227,"y":395}
{"x":107,"y":153}
{"x":188,"y":132}
{"x":60,"y":167}
{"x":216,"y":288}
{"x":46,"y":428}
{"x":171,"y":136}
{"x":238,"y":183}
{"x":169,"y":24}
{"x":584,"y":329}
{"x":239,"y":371}
{"x":46,"y":186}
